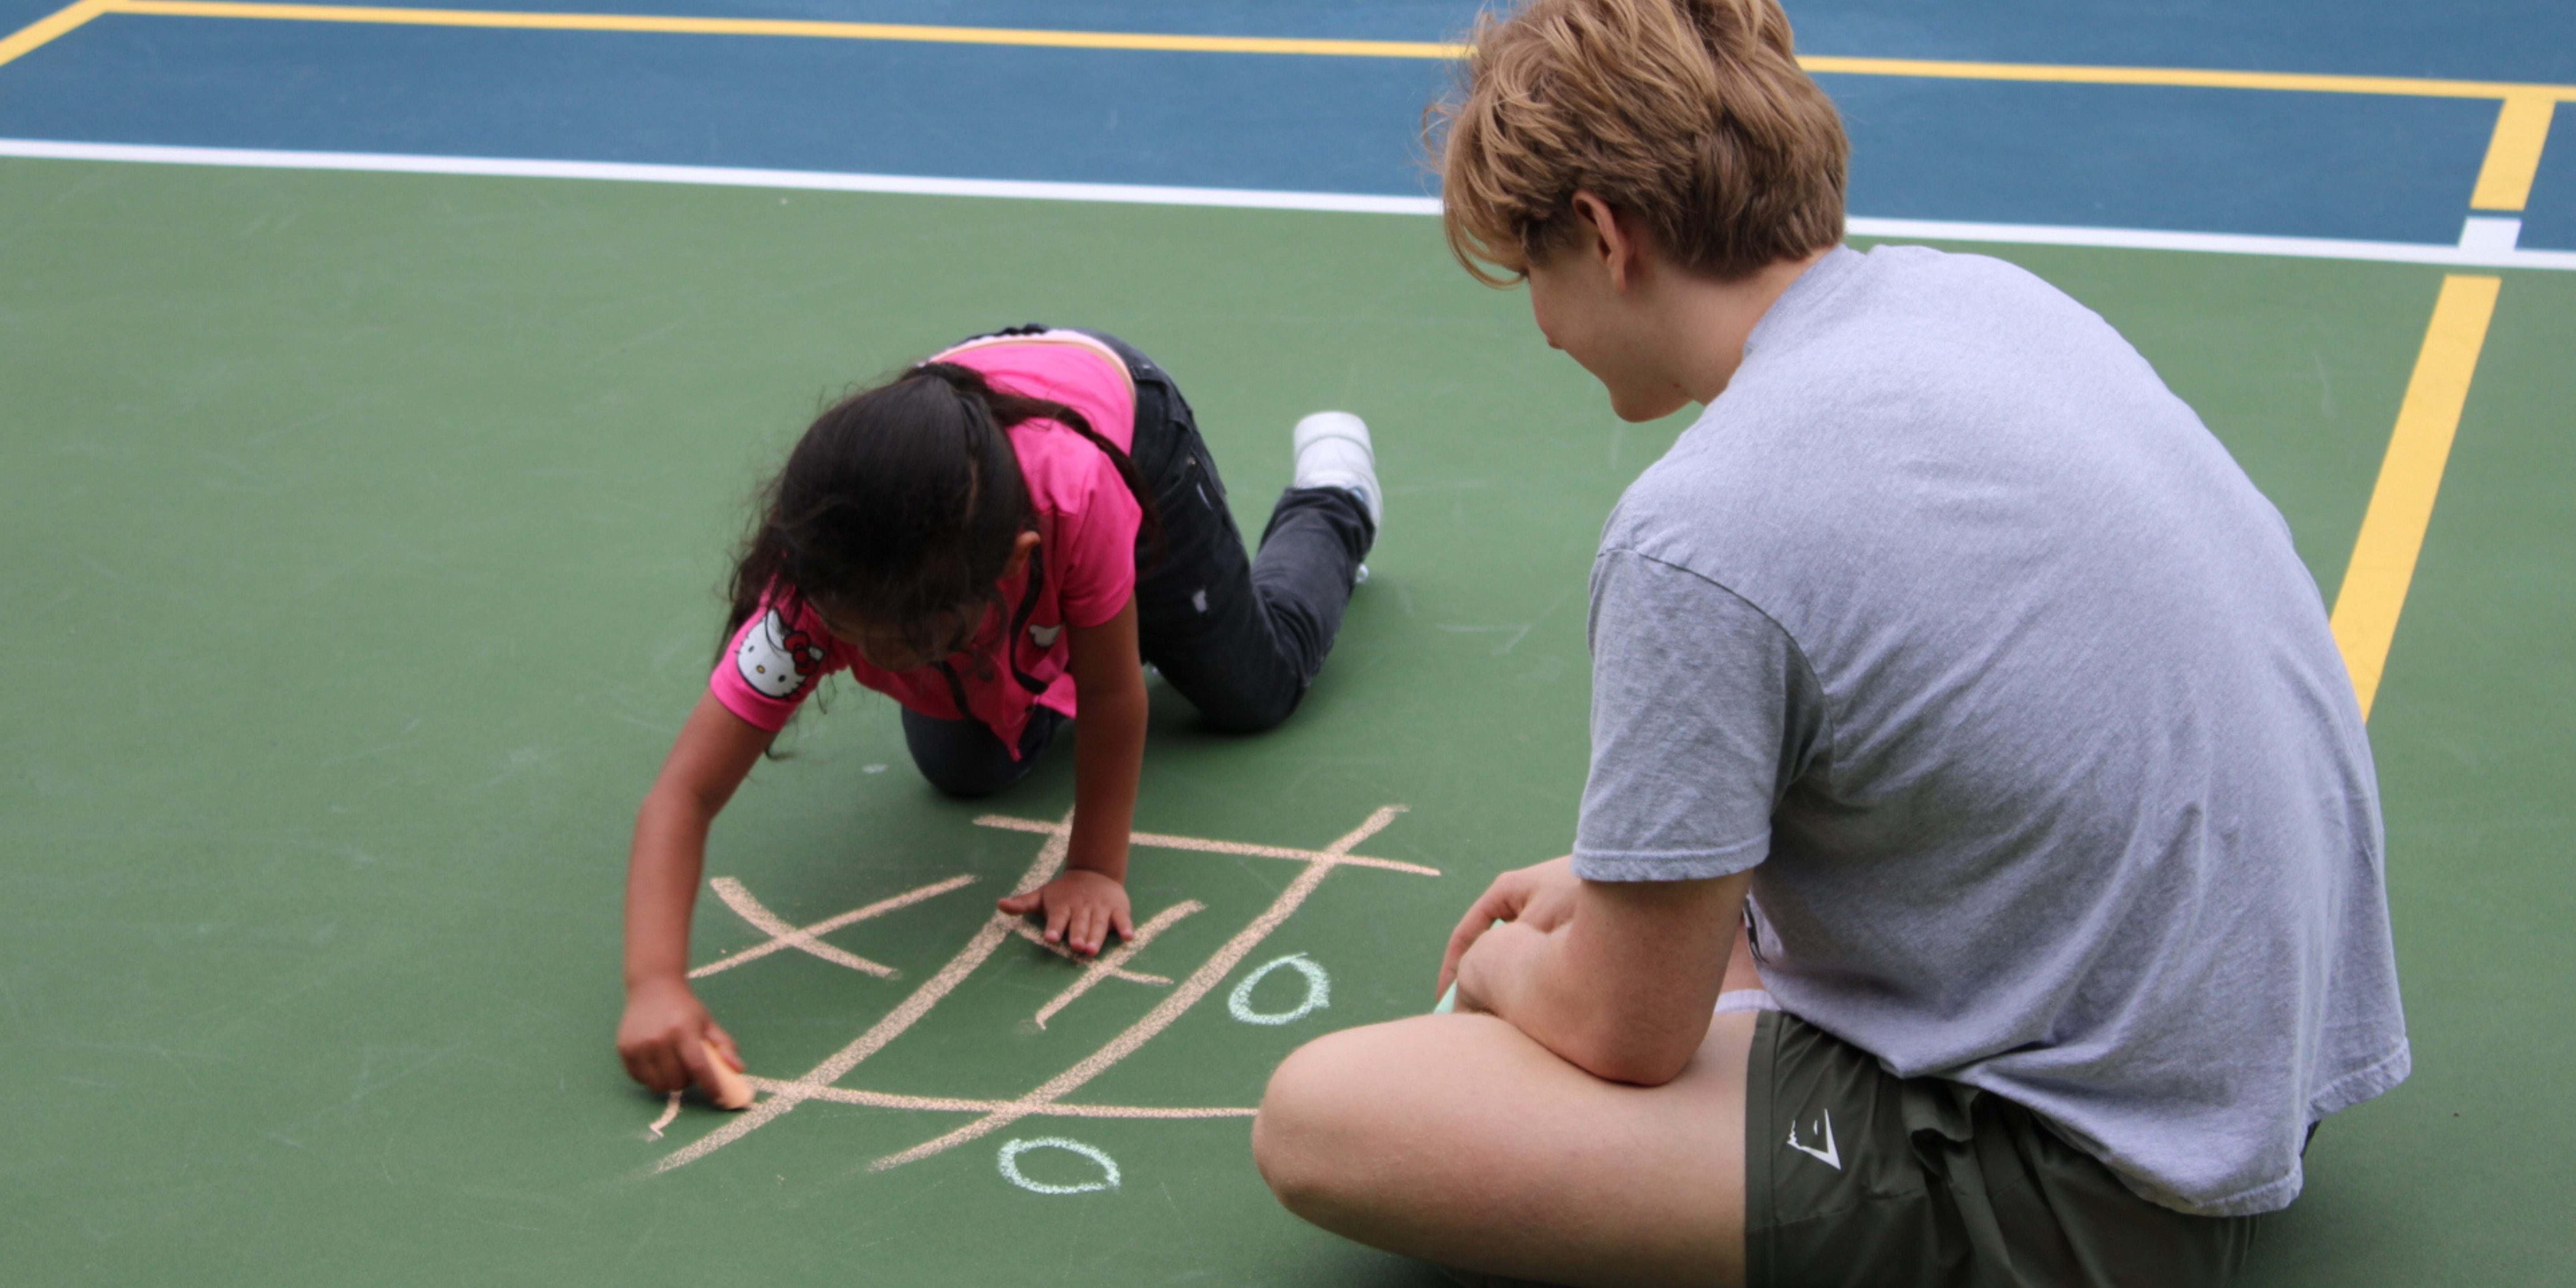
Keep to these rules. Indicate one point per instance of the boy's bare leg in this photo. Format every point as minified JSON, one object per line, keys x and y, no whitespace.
{"x":1459,"y":1140}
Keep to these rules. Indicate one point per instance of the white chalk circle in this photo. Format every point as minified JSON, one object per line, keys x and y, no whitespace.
{"x":1319,"y":992}
{"x":1011,"y":1166}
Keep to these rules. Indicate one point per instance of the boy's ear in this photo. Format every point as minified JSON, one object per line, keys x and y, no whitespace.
{"x":1020,"y":551}
{"x":1610,"y":242}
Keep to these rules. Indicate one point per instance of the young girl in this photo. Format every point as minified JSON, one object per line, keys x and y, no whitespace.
{"x":1000,"y":540}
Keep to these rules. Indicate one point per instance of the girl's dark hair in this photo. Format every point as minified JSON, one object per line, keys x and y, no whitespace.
{"x":900,"y":507}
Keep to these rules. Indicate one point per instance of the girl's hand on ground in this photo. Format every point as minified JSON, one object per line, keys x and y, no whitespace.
{"x":664,"y":1034}
{"x":1081,"y":907}
{"x":1540,"y":897}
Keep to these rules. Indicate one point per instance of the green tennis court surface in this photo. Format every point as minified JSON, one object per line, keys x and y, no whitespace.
{"x":363,"y":534}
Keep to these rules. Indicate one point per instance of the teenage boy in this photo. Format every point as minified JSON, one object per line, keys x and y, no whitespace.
{"x":1949,"y":657}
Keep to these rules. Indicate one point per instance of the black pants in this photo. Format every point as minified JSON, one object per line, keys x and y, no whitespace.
{"x":1240,"y":636}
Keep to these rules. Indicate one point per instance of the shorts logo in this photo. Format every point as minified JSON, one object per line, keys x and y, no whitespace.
{"x":776,"y":661}
{"x":1829,"y":1155}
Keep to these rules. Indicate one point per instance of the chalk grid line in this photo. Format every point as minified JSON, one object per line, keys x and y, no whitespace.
{"x":957,"y":1104}
{"x":1047,"y":1100}
{"x":1162,"y":841}
{"x":1179,"y":1000}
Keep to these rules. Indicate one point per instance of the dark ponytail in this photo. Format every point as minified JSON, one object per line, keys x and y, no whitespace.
{"x":901,"y":506}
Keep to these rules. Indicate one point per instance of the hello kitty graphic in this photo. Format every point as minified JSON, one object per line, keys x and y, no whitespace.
{"x":775,"y":661}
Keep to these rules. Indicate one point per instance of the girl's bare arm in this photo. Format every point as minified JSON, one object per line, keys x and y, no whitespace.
{"x":1109,"y":749}
{"x":1090,"y":899}
{"x":664,"y":1026}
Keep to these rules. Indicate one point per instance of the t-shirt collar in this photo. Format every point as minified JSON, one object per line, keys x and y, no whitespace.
{"x":1803,"y":295}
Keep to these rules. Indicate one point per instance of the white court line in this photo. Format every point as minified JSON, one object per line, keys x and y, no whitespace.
{"x":722,"y":177}
{"x":1201,"y":844}
{"x":2474,"y":256}
{"x":953,"y":1104}
{"x":1108,"y":965}
{"x":806,"y":938}
{"x":1209,"y":974}
{"x":786,"y":1096}
{"x":2480,"y":253}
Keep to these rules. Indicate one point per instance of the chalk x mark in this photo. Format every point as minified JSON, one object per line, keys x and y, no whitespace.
{"x":1111,"y":964}
{"x":786,"y":1096}
{"x":808,"y":939}
{"x":1319,"y":992}
{"x":1032,"y":934}
{"x":1179,"y":1000}
{"x":1010,"y":1162}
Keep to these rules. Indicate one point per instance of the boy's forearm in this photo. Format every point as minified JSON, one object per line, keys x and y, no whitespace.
{"x":1109,"y":757}
{"x":1517,"y":973}
{"x":1530,"y":981}
{"x":1623,"y":988}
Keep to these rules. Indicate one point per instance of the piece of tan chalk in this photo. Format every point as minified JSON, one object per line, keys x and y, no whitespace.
{"x":727,"y":1088}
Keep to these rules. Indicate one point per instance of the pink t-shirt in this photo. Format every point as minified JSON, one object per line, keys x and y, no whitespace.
{"x":1086,"y":562}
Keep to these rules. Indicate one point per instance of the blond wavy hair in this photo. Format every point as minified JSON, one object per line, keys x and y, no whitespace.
{"x":1692,"y":115}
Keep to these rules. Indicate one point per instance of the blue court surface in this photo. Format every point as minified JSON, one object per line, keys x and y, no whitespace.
{"x":2384,"y":140}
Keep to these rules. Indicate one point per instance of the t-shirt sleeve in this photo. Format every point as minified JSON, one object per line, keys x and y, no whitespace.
{"x":1703,"y":711}
{"x":771,"y":664}
{"x":1093,"y":553}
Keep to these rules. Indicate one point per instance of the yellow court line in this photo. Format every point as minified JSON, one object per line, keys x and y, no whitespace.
{"x":2410,"y":477}
{"x":1939,"y":69}
{"x":789,"y":27}
{"x":36,"y":33}
{"x":2513,"y":155}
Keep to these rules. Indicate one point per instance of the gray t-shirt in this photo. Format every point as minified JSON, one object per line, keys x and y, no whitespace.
{"x":1955,"y":621}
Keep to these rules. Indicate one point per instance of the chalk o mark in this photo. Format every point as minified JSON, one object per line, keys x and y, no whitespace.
{"x":1010,"y":1160}
{"x":1319,"y":992}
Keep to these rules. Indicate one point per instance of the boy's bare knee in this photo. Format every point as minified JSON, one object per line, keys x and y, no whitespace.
{"x":1322,"y":1132}
{"x":1305,"y":1135}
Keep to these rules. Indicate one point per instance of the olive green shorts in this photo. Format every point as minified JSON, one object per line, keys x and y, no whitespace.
{"x":1856,"y":1178}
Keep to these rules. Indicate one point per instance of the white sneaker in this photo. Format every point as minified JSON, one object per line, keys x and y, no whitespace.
{"x":1331,"y":449}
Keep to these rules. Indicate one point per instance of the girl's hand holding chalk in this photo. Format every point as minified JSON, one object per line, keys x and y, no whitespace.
{"x":724,"y":1084}
{"x":669,"y":1043}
